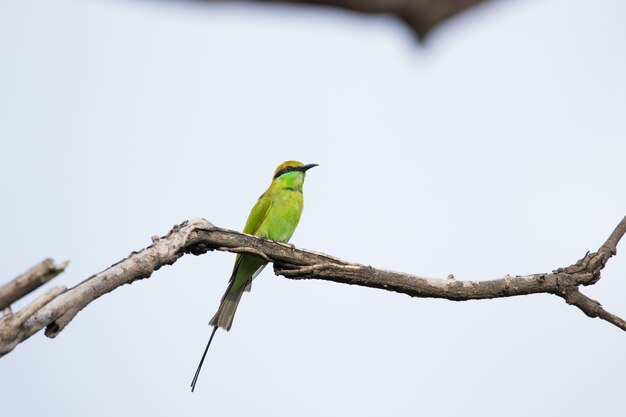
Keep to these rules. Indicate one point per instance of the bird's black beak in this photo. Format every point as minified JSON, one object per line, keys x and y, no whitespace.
{"x":305,"y":168}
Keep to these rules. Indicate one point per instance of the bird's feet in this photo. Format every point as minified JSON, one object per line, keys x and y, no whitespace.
{"x":291,"y":246}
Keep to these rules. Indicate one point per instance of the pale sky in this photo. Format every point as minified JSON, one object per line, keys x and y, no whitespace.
{"x":497,"y":148}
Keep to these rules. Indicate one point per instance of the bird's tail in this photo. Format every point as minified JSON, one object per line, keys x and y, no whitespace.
{"x":195,"y":377}
{"x":226,"y":313}
{"x":224,"y":319}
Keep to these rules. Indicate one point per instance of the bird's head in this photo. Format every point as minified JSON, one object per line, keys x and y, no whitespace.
{"x":291,"y":173}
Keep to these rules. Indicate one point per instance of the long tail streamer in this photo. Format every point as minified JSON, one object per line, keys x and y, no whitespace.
{"x":195,"y":377}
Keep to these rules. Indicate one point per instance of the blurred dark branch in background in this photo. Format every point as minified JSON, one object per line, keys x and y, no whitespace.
{"x":421,"y":15}
{"x":57,"y":307}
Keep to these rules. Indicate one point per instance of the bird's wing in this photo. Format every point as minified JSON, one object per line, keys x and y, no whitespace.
{"x":255,"y":219}
{"x":258,"y":213}
{"x":256,"y":274}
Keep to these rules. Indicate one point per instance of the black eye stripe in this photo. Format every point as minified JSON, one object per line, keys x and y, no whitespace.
{"x":283,"y":171}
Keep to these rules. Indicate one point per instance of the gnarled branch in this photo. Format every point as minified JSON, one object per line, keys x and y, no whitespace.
{"x":58,"y":307}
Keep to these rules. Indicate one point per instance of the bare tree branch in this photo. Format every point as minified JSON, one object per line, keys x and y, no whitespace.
{"x":12,"y":329}
{"x":420,"y":15}
{"x":58,"y":307}
{"x":590,"y":307}
{"x":613,"y":240}
{"x":30,"y":280}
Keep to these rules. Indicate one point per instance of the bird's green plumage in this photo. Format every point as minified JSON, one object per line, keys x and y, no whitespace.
{"x":275,"y":216}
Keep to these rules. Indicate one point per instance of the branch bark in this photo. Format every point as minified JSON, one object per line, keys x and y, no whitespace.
{"x":55,"y":309}
{"x":30,"y":280}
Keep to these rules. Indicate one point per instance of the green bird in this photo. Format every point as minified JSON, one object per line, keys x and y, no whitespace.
{"x":275,"y":217}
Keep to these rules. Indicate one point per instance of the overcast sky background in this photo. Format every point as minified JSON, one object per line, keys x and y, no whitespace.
{"x":497,"y":148}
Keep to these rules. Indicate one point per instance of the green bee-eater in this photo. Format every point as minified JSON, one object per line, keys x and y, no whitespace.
{"x":274,"y":216}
